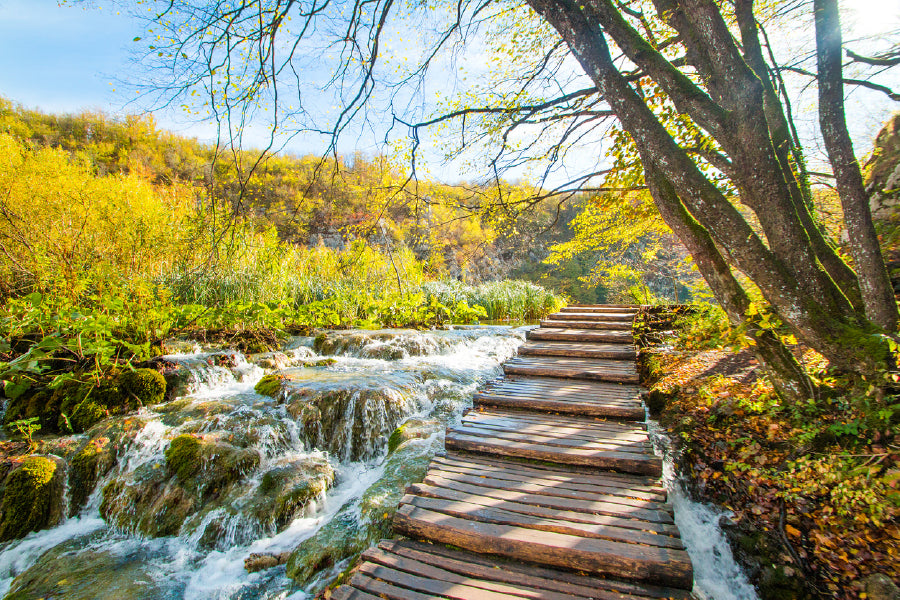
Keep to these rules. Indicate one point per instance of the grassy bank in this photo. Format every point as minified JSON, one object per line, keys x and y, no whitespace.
{"x":815,"y":488}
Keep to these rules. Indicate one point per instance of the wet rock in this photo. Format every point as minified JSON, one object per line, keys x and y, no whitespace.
{"x":75,"y":573}
{"x":32,"y":496}
{"x":880,"y":587}
{"x":286,"y":490}
{"x":361,"y":522}
{"x":157,"y":498}
{"x":95,"y":459}
{"x":260,"y":562}
{"x":413,"y":429}
{"x":271,"y":360}
{"x":391,"y":344}
{"x":349,"y":415}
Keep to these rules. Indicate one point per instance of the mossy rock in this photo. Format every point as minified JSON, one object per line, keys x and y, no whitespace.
{"x":86,"y":467}
{"x":360,"y":523}
{"x":75,"y":573}
{"x":183,"y":456}
{"x":32,"y":497}
{"x":286,"y":490}
{"x":86,"y":415}
{"x":141,"y":387}
{"x":413,"y":429}
{"x":270,"y":385}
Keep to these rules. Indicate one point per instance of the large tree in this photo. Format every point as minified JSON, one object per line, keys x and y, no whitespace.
{"x":693,"y":91}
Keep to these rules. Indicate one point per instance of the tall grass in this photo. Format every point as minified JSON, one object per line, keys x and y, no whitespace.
{"x":502,"y":300}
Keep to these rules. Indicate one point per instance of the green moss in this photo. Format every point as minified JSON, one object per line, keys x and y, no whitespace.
{"x":395,"y":439}
{"x":270,"y":385}
{"x":85,"y":468}
{"x":31,"y":498}
{"x":142,"y":387}
{"x":319,"y":341}
{"x":183,"y":455}
{"x":87,"y":414}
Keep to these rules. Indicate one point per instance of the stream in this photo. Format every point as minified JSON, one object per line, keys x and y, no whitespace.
{"x":295,"y":479}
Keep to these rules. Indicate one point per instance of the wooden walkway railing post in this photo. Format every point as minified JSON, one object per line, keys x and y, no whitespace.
{"x":549,"y":488}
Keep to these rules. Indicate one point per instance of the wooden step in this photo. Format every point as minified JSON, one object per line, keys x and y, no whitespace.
{"x":576,"y":397}
{"x":470,"y":576}
{"x":611,"y":445}
{"x":591,"y":316}
{"x":614,"y":325}
{"x":492,"y":531}
{"x":575,"y":349}
{"x":572,"y":334}
{"x":602,"y":308}
{"x":597,"y":369}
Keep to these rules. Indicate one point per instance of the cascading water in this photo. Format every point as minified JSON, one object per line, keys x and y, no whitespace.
{"x":716,"y":574}
{"x":177,"y":497}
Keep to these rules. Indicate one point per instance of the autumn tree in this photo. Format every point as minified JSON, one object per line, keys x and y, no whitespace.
{"x":690,"y":86}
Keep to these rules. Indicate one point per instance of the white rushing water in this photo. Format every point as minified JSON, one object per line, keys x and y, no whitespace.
{"x":426,"y":375}
{"x":716,"y":574}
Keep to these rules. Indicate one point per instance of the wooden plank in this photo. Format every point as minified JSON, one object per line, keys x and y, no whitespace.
{"x":611,"y":325}
{"x":571,"y":334}
{"x":597,"y":505}
{"x":591,"y":316}
{"x":515,"y":417}
{"x":601,"y":308}
{"x":644,"y":563}
{"x":609,"y":364}
{"x":593,"y":409}
{"x":538,"y":577}
{"x":438,"y":465}
{"x":604,"y":430}
{"x":633,"y":448}
{"x":578,"y":388}
{"x":345,"y":592}
{"x":574,"y":390}
{"x":498,"y":515}
{"x":596,"y":409}
{"x":414,"y":566}
{"x":427,"y":585}
{"x":559,"y":473}
{"x":542,"y":507}
{"x":386,"y":591}
{"x":602,"y":459}
{"x":538,"y":488}
{"x":571,"y":368}
{"x":630,"y":485}
{"x":629,"y":480}
{"x":619,"y":351}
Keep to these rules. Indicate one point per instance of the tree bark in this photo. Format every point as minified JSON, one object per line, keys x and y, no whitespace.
{"x":789,"y":275}
{"x":875,"y":285}
{"x":791,"y":382}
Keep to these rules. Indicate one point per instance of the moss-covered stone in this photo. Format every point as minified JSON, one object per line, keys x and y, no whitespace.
{"x":183,"y":456}
{"x":32,"y":497}
{"x":141,"y":387}
{"x":87,"y":414}
{"x":286,"y":490}
{"x":360,"y":523}
{"x":411,"y":430}
{"x":75,"y":573}
{"x":86,"y":467}
{"x":270,"y":385}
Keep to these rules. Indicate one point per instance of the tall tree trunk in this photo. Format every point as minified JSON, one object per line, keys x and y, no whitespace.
{"x":814,"y":307}
{"x":790,"y":159}
{"x":791,"y":382}
{"x":874,"y":283}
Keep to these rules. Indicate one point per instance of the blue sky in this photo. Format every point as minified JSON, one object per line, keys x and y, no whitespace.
{"x":71,"y":58}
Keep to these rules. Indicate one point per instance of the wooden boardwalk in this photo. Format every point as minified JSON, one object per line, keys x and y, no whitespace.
{"x":549,"y":488}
